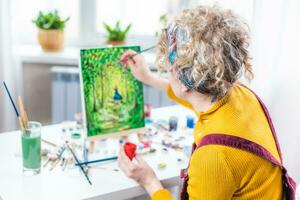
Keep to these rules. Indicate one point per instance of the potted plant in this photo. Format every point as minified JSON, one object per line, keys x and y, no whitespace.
{"x":116,"y":36}
{"x":50,"y":33}
{"x":163,"y":22}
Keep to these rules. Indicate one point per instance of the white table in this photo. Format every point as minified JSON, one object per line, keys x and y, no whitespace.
{"x":71,"y":184}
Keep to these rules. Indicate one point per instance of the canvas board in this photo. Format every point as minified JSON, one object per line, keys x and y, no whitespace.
{"x":112,"y":98}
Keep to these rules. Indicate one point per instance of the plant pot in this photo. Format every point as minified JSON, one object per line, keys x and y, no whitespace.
{"x":51,"y":40}
{"x":115,"y":42}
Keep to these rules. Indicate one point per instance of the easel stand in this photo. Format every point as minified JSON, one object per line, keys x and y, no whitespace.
{"x":92,"y":139}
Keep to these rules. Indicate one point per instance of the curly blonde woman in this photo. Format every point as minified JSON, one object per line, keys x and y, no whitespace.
{"x":236,"y":153}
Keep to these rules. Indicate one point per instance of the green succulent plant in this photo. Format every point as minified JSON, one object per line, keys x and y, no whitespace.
{"x":50,"y":21}
{"x":116,"y":33}
{"x":163,"y":19}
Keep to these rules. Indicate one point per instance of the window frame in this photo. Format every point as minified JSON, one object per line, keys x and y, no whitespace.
{"x":90,"y":36}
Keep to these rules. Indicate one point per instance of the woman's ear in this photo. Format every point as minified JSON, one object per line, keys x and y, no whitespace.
{"x":183,"y":88}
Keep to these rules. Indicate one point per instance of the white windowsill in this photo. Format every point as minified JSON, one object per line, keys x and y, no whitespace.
{"x":68,"y":56}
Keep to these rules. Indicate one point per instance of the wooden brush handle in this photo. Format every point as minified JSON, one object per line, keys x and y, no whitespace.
{"x":21,"y":123}
{"x":23,"y":114}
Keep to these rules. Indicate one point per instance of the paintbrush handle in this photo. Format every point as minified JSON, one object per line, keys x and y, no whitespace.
{"x":147,"y":49}
{"x":11,"y":100}
{"x":50,"y":143}
{"x":77,"y":161}
{"x":54,"y":164}
{"x":23,"y":113}
{"x":97,"y":161}
{"x":124,"y":60}
{"x":142,"y":51}
{"x":21,"y":123}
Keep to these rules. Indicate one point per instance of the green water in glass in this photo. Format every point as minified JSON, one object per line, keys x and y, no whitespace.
{"x":31,"y":148}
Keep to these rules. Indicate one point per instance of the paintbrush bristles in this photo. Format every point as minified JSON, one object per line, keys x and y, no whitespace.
{"x":23,"y":114}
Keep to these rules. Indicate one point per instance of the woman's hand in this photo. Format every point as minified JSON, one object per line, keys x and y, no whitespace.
{"x":137,"y":64}
{"x":140,"y":171}
{"x":141,"y":71}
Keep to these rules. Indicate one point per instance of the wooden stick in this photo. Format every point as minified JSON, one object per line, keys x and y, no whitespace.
{"x":142,"y":130}
{"x":23,"y":113}
{"x":21,"y":123}
{"x":91,"y":147}
{"x":50,"y":143}
{"x":47,"y":162}
{"x":54,"y":164}
{"x":20,"y":103}
{"x":51,"y":157}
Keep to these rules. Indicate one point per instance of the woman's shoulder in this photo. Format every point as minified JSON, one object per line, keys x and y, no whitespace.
{"x":243,"y":116}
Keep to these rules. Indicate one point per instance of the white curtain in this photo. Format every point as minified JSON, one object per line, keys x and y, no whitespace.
{"x":7,"y":69}
{"x":275,"y":48}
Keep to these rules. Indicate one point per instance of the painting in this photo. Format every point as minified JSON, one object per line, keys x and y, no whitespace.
{"x":113,"y":98}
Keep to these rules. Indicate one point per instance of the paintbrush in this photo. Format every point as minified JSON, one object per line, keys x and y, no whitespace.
{"x":50,"y":143}
{"x":142,"y":51}
{"x":77,"y":162}
{"x":97,"y":161}
{"x":124,"y":60}
{"x":23,"y":114}
{"x":14,"y":105}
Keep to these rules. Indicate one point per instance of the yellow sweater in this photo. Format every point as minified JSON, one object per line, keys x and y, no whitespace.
{"x":220,"y":172}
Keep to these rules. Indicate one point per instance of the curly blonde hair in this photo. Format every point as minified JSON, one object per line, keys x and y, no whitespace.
{"x":211,"y":49}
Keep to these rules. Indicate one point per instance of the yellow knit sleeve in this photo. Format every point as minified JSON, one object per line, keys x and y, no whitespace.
{"x":172,"y":96}
{"x":210,"y":177}
{"x":161,"y":195}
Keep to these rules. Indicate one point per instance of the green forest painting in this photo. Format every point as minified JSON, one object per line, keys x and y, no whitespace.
{"x":113,"y":98}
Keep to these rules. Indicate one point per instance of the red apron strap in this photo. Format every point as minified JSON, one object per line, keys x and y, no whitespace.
{"x":240,"y":143}
{"x":289,"y":183}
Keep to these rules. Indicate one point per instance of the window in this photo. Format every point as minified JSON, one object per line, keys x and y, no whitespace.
{"x":143,"y":15}
{"x":87,"y":16}
{"x":24,"y":11}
